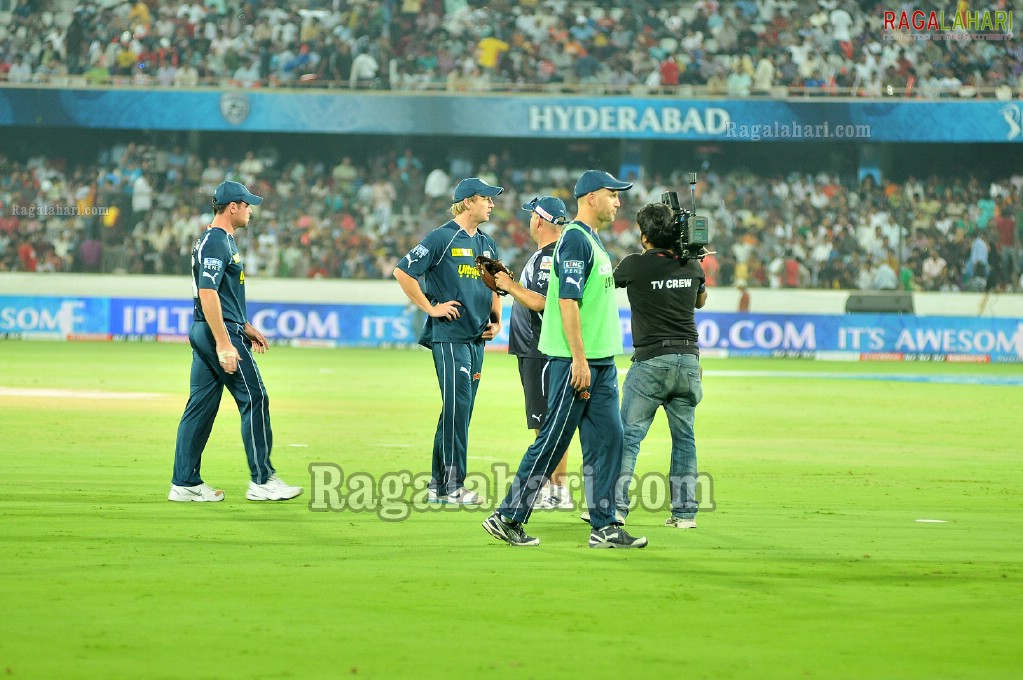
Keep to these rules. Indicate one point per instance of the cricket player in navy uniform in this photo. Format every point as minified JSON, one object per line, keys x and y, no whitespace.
{"x":581,"y":335}
{"x":440,"y":277}
{"x":222,"y":341}
{"x":664,"y":291}
{"x":547,"y":214}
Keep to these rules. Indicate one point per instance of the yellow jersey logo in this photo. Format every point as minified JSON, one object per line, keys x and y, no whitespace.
{"x":468,"y":271}
{"x":461,"y":252}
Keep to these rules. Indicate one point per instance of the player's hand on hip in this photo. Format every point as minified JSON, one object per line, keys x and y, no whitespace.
{"x":446,"y":310}
{"x":493,"y":328}
{"x":580,"y":374}
{"x":258,"y":340}
{"x":228,"y":359}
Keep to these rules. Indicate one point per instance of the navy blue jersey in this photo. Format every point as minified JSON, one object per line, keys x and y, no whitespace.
{"x":524,"y":327}
{"x":574,"y":261}
{"x":573,"y":264}
{"x":217,"y":265}
{"x":445,"y":265}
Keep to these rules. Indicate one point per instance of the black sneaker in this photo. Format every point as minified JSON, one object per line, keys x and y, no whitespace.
{"x":615,"y":536}
{"x":509,"y":532}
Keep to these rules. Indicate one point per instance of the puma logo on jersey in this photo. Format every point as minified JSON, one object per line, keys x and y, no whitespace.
{"x":209,"y":276}
{"x":574,"y":282}
{"x":417,"y":253}
{"x":538,"y":416}
{"x":465,"y":370}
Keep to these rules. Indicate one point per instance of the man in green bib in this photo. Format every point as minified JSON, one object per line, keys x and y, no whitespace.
{"x":581,"y":335}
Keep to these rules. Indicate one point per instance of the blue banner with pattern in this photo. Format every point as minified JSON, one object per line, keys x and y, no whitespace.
{"x":523,"y":116}
{"x":864,"y":336}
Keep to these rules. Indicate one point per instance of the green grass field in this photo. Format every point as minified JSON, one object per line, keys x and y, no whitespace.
{"x":812,"y":564}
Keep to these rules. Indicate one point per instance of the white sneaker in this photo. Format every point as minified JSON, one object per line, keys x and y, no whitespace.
{"x":274,"y":490}
{"x":462,"y":496}
{"x":679,"y":523}
{"x":553,"y":497}
{"x":545,"y":501}
{"x":618,"y":517}
{"x":563,"y":496}
{"x":203,"y":493}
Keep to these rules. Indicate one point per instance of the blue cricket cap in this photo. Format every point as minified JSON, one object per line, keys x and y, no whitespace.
{"x":234,"y":192}
{"x":594,"y":180}
{"x":551,"y":208}
{"x":475,"y":186}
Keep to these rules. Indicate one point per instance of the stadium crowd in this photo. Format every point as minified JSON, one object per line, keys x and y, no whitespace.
{"x":737,"y":49}
{"x":135,"y":210}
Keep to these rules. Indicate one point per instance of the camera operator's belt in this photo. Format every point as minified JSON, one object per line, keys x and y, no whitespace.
{"x":656,"y":349}
{"x":673,"y":343}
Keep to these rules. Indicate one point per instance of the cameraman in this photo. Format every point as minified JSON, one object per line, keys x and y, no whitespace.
{"x":664,"y":289}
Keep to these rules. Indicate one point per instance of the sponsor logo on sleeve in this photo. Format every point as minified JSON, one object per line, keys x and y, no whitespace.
{"x":213,"y":264}
{"x":236,"y":258}
{"x":573,"y":266}
{"x":416,"y":254}
{"x":546,"y":261}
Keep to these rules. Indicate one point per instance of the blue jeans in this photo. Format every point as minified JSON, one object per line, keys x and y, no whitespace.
{"x":672,"y":381}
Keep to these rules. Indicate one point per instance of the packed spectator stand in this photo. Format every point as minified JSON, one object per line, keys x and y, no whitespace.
{"x":136,"y":211}
{"x":707,"y":48}
{"x":134,"y":208}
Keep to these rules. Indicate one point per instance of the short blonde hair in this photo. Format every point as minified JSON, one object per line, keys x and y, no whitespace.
{"x":459,"y":208}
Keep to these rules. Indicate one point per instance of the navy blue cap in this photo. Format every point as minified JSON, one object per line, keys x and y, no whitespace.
{"x":475,"y":186}
{"x":551,"y":208}
{"x":234,"y":192}
{"x":593,"y":180}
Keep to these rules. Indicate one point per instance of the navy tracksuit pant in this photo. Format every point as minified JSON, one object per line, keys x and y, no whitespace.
{"x":599,"y":422}
{"x":206,"y":387}
{"x":459,"y":366}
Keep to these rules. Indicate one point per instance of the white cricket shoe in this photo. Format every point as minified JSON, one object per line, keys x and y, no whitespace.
{"x":618,"y":517}
{"x":202,"y":493}
{"x":545,"y":502}
{"x":679,"y":523}
{"x":461,"y":496}
{"x":553,"y":497}
{"x":563,"y":496}
{"x":274,"y":490}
